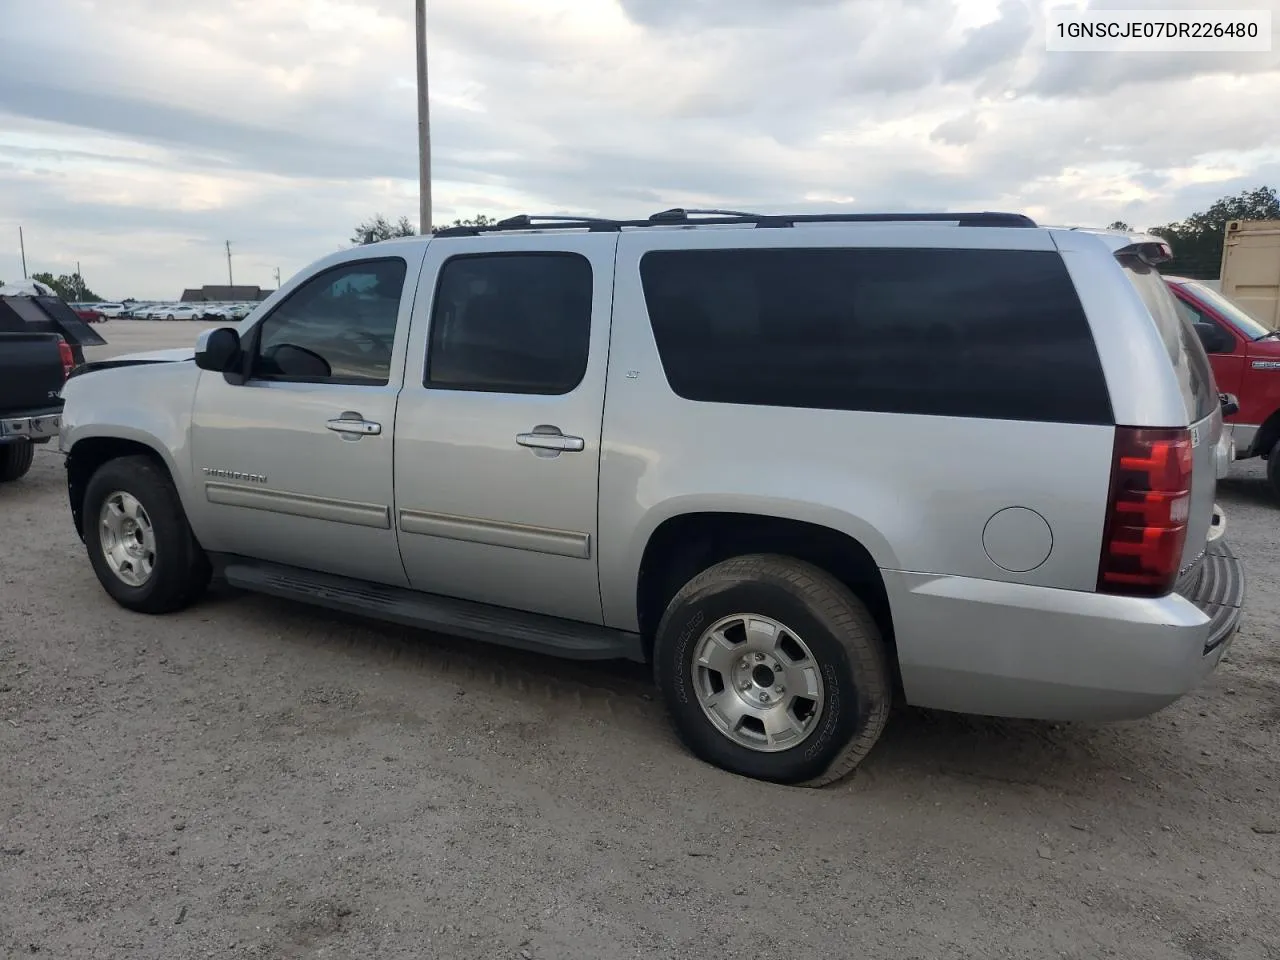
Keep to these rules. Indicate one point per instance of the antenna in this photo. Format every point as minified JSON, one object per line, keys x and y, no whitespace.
{"x":230,"y":282}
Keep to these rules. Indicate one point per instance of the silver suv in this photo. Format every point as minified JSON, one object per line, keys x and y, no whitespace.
{"x":804,"y":465}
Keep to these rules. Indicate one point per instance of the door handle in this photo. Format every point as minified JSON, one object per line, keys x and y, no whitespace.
{"x":540,"y":440}
{"x":351,"y":427}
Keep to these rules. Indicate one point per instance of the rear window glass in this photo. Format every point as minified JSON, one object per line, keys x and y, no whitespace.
{"x":1190,"y":362}
{"x":962,"y":333}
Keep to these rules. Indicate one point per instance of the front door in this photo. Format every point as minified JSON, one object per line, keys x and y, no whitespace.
{"x":1228,"y":366}
{"x":294,"y":465}
{"x":497,"y":457}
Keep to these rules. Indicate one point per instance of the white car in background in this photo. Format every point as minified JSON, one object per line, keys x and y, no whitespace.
{"x":180,"y":311}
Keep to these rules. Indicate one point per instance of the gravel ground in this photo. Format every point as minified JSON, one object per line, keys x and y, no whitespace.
{"x":253,"y":778}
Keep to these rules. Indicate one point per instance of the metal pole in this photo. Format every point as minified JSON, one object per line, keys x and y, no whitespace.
{"x":230,"y":282}
{"x":79,"y":283}
{"x":424,"y":124}
{"x":277,"y":278}
{"x":23,"y":247}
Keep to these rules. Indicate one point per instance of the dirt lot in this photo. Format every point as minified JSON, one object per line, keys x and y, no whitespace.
{"x":256,"y":779}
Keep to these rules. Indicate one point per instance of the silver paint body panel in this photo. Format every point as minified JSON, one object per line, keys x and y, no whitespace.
{"x":478,"y":516}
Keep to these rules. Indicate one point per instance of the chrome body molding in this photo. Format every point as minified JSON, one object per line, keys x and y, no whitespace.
{"x":495,"y":533}
{"x":300,"y":505}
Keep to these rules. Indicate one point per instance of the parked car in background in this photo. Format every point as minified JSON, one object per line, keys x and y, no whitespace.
{"x":802,"y":465}
{"x":88,"y":313}
{"x":1245,"y":355}
{"x":112,"y":311}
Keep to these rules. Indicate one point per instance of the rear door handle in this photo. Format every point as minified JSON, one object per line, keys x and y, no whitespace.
{"x":543,"y":439}
{"x":353,"y":428}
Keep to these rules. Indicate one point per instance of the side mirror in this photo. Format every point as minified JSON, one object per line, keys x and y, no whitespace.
{"x":1214,"y":338}
{"x":219,"y":350}
{"x":1230,"y":406}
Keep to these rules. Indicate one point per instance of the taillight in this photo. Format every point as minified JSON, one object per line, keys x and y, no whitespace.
{"x":68,"y":358}
{"x":1146,"y":526}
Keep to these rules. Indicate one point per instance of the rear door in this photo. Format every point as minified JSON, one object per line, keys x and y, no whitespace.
{"x":497,"y":441}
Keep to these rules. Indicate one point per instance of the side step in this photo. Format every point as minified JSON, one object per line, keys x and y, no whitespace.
{"x":460,"y":618}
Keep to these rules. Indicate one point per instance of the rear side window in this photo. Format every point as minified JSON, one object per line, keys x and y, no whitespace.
{"x":1190,"y":362}
{"x":961,"y":333}
{"x":511,"y":323}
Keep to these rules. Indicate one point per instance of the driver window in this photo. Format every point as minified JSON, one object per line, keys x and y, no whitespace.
{"x":338,"y":327}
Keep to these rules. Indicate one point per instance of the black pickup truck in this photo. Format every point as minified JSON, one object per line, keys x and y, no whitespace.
{"x":41,"y":340}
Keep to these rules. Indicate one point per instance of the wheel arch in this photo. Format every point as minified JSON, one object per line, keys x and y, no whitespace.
{"x":1267,"y":436}
{"x":88,"y":453}
{"x":685,"y":544}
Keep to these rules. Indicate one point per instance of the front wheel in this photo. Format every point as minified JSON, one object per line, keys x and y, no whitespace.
{"x":1273,"y":468}
{"x":136,"y":532}
{"x":15,"y":460}
{"x":772,"y":669}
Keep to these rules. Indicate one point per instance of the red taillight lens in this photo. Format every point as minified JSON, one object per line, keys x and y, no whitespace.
{"x":1146,"y":525}
{"x":68,"y":358}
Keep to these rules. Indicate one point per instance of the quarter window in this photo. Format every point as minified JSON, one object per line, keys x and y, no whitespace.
{"x":511,"y":323}
{"x":338,"y":327}
{"x":962,"y":333}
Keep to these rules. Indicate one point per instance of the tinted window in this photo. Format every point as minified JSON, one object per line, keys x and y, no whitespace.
{"x":337,"y":327}
{"x":511,"y":323}
{"x":965,"y":333}
{"x":1190,"y":362}
{"x":1246,"y":324}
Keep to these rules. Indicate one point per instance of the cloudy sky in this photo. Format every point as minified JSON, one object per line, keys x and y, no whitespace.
{"x":136,"y":136}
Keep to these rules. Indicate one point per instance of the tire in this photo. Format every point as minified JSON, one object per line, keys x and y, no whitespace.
{"x":1273,"y":468}
{"x":179,"y":570}
{"x":15,"y":460}
{"x":813,"y":608}
{"x":169,"y":317}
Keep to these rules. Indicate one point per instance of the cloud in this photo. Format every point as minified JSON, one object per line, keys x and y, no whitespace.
{"x":136,"y":136}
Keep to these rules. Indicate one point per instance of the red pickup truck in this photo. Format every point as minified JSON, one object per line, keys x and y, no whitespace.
{"x":1245,"y":355}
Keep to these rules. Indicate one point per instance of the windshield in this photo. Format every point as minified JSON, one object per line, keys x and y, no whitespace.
{"x":1248,"y":326}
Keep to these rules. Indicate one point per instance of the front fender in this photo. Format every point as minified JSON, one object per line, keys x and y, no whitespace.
{"x":146,"y":404}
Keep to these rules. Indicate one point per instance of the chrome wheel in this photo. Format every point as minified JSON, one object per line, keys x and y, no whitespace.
{"x":757,"y":682}
{"x":128,"y":538}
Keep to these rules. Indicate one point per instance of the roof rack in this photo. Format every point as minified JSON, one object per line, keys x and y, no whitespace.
{"x":680,"y":217}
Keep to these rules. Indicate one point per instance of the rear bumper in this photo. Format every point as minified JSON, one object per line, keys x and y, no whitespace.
{"x":37,"y":427}
{"x":1014,"y":650}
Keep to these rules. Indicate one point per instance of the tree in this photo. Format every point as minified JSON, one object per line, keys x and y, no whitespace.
{"x":1197,"y":240}
{"x":1119,"y":225}
{"x":379,"y":227}
{"x":68,"y":286}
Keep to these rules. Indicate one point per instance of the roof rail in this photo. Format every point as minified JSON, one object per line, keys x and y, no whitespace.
{"x":689,"y":218}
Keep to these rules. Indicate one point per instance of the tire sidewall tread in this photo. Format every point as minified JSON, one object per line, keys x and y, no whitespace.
{"x":834,"y":624}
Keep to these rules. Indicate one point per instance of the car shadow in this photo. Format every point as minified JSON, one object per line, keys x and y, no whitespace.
{"x":1251,"y":490}
{"x":917,"y":743}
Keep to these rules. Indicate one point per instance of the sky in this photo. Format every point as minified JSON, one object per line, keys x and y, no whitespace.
{"x":138,"y":136}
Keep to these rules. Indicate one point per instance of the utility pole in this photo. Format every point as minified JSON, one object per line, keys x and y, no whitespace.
{"x":79,"y":283}
{"x":230,"y":282}
{"x":23,"y":247}
{"x":424,"y":124}
{"x":277,"y":278}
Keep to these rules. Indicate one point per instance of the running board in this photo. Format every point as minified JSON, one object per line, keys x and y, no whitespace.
{"x":569,"y":639}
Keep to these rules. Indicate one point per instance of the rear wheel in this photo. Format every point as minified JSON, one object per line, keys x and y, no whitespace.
{"x":15,"y":460}
{"x":138,"y":539}
{"x":772,"y":669}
